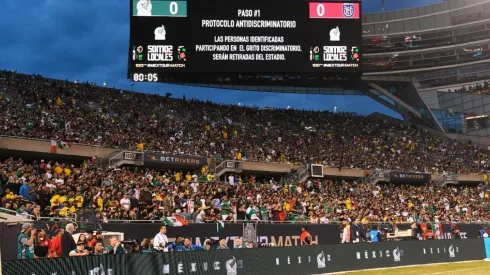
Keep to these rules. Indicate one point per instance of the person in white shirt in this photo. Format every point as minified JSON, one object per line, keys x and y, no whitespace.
{"x":231,"y":180}
{"x":125,"y":202}
{"x":160,"y":242}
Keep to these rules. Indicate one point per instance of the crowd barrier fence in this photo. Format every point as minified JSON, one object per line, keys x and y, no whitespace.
{"x":318,"y":259}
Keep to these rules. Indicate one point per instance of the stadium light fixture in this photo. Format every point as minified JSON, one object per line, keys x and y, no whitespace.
{"x":76,"y":81}
{"x":105,"y":83}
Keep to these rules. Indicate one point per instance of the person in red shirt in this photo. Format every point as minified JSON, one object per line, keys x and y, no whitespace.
{"x":428,"y":234}
{"x":91,"y":240}
{"x":55,"y":246}
{"x":305,"y":236}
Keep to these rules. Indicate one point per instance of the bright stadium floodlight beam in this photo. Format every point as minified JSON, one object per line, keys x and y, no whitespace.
{"x":105,"y":83}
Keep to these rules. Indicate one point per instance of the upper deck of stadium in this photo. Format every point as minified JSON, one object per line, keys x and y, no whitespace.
{"x":440,"y":36}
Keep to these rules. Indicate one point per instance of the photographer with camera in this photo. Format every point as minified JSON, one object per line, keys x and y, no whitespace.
{"x":146,"y":246}
{"x":160,"y":242}
{"x":115,"y":246}
{"x":25,"y":242}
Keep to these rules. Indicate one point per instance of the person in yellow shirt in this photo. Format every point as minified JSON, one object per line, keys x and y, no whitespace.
{"x":79,"y":200}
{"x":100,"y":203}
{"x":63,"y":198}
{"x":10,"y":195}
{"x":188,"y":176}
{"x":204,"y":169}
{"x":178,"y":176}
{"x":238,"y":155}
{"x":140,"y":146}
{"x":55,"y":200}
{"x":64,"y":209}
{"x":348,"y":204}
{"x":67,"y":171}
{"x":225,"y":135}
{"x":58,"y":169}
{"x":58,"y":101}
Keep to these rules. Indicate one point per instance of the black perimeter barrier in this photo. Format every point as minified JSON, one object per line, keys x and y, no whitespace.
{"x":280,"y":234}
{"x":286,"y":260}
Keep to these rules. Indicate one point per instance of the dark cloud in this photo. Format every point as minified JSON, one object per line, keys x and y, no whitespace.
{"x":88,"y":41}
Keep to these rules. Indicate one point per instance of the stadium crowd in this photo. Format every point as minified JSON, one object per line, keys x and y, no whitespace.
{"x":50,"y":189}
{"x":36,"y":107}
{"x":477,"y":89}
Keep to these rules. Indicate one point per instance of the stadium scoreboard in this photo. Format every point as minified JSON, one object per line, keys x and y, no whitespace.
{"x":248,"y":36}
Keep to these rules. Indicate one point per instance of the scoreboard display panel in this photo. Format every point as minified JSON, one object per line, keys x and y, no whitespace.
{"x":247,"y":36}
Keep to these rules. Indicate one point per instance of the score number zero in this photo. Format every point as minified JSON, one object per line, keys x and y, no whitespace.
{"x":320,"y":10}
{"x":173,"y":8}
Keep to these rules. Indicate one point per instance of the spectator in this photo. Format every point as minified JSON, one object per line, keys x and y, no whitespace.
{"x":374,"y":235}
{"x":25,"y":242}
{"x":55,"y":246}
{"x":91,"y":240}
{"x":428,"y":234}
{"x":41,"y":244}
{"x":83,"y":239}
{"x":346,"y":233}
{"x":177,"y":244}
{"x":188,"y":246}
{"x":99,"y":249}
{"x":114,"y":247}
{"x":67,"y":242}
{"x":239,"y":244}
{"x":222,"y":244}
{"x":146,"y":246}
{"x":305,"y":236}
{"x":79,"y":250}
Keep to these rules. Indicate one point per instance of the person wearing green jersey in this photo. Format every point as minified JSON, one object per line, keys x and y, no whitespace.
{"x":25,"y":242}
{"x":225,"y":208}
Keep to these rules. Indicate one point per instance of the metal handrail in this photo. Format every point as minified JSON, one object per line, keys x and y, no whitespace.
{"x":34,"y":218}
